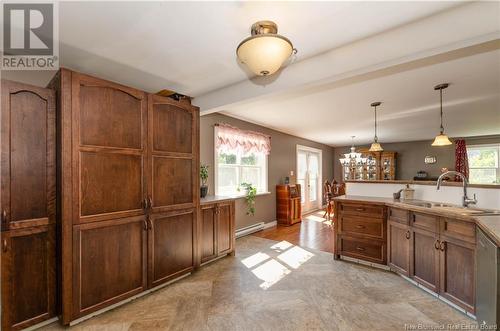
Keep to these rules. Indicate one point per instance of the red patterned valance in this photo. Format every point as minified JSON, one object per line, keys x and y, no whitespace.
{"x":461,"y":160}
{"x":229,"y":138}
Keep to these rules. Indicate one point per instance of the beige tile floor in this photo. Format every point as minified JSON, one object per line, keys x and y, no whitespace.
{"x":272,"y":285}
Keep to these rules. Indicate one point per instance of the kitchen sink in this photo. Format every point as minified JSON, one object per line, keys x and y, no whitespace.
{"x":454,"y":208}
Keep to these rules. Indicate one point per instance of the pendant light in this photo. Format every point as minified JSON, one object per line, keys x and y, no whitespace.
{"x":375,"y":147}
{"x":441,"y":139}
{"x":265,"y":50}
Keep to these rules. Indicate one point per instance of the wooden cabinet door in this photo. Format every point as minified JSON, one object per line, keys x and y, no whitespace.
{"x":208,"y":235}
{"x":28,"y":276}
{"x":109,"y":149}
{"x":225,"y":227}
{"x":109,"y":263}
{"x":171,"y":252}
{"x":398,"y":239}
{"x":173,"y":154}
{"x":27,"y":156}
{"x":457,"y":272}
{"x":424,"y":258}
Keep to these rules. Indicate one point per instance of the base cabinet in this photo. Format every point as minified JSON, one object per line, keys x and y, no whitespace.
{"x":398,"y":247}
{"x":217,"y":230}
{"x":170,"y":245}
{"x":424,"y":267}
{"x":28,"y":276}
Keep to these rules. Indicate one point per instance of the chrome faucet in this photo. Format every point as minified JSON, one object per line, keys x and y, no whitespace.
{"x":466,"y":201}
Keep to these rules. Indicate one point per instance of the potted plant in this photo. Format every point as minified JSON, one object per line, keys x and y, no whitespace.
{"x":251,"y":193}
{"x":204,"y":179}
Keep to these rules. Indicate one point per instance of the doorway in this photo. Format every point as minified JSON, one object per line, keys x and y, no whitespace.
{"x":309,"y":176}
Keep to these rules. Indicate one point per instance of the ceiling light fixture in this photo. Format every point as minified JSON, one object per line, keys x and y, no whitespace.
{"x":265,"y":50}
{"x":375,"y":147}
{"x":441,"y":139}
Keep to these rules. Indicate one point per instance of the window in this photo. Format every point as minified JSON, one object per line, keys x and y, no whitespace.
{"x":484,"y":164}
{"x":236,"y":168}
{"x":240,"y":157}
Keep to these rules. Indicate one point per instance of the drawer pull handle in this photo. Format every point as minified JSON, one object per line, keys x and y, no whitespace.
{"x":442,"y":246}
{"x":414,"y":218}
{"x":360,"y":226}
{"x":436,"y":244}
{"x":360,"y":209}
{"x":4,"y":245}
{"x":4,"y":216}
{"x":408,"y":234}
{"x":360,"y":248}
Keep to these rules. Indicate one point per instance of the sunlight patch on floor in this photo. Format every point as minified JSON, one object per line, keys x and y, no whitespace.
{"x":271,"y":271}
{"x":255,"y":259}
{"x":295,"y":257}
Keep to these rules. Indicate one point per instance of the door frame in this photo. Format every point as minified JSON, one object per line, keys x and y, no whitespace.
{"x":318,"y":151}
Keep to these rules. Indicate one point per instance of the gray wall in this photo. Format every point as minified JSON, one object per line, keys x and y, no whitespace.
{"x":410,"y":157}
{"x":281,"y":160}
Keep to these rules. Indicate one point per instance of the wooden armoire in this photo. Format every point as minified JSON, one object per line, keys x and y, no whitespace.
{"x":28,"y":205}
{"x":288,"y":204}
{"x":128,"y":190}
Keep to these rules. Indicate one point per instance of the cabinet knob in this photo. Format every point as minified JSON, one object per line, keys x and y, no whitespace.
{"x":145,"y":225}
{"x":360,"y":248}
{"x":150,"y":202}
{"x":360,"y":226}
{"x":442,"y":246}
{"x":436,"y":244}
{"x":360,"y":209}
{"x":408,"y":234}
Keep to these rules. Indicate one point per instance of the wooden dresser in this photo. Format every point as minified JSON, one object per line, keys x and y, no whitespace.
{"x":288,"y":204}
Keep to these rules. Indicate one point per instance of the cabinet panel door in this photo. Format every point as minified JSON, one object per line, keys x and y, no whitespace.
{"x":172,"y":182}
{"x":28,"y":276}
{"x":111,"y":183}
{"x":172,"y":126}
{"x":399,"y":236}
{"x":208,"y":233}
{"x":110,"y":115}
{"x":170,"y":245}
{"x":457,"y":272}
{"x":225,"y":230}
{"x":28,"y":155}
{"x":109,"y":262}
{"x":424,"y":267}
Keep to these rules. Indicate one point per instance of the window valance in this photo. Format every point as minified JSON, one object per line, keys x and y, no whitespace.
{"x":230,"y":138}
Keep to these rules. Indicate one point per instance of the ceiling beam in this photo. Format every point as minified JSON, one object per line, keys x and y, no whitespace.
{"x":454,"y":29}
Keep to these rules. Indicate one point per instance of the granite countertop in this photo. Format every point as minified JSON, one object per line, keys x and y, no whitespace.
{"x":490,"y":224}
{"x":215,"y":198}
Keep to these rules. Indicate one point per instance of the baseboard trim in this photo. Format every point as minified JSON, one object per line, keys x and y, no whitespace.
{"x":270,"y":224}
{"x":121,"y":303}
{"x":41,"y":324}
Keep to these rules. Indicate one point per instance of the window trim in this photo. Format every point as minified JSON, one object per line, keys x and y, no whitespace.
{"x":216,"y":170}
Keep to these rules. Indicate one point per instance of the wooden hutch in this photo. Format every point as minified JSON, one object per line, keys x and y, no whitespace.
{"x":380,"y":166}
{"x":288,"y":204}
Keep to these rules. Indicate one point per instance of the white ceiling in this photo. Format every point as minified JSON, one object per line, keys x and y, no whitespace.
{"x":190,"y":46}
{"x":409,"y":110}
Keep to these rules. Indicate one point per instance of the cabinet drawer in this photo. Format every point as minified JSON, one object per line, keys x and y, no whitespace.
{"x":362,"y":226}
{"x":425,"y":221}
{"x":461,"y":230}
{"x":364,"y":249}
{"x":366,"y":210}
{"x":398,"y":215}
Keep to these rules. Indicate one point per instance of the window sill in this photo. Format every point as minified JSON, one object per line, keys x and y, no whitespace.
{"x":240,"y":196}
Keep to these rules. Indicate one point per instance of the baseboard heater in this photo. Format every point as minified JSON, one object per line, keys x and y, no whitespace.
{"x":249,"y":229}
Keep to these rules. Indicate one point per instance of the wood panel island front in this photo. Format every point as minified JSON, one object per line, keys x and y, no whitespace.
{"x":434,"y":247}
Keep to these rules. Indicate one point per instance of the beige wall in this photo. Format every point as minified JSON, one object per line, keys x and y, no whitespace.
{"x":410,"y":158}
{"x":281,"y":160}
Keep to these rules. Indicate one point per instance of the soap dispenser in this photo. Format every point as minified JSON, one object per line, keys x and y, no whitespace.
{"x":408,"y":192}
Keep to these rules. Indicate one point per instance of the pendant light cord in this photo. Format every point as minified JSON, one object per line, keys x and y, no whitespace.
{"x":376,"y":138}
{"x":441,"y":109}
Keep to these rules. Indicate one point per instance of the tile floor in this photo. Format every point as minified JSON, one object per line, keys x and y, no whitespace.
{"x":271,"y":285}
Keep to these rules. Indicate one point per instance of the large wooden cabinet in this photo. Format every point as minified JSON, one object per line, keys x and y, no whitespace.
{"x":128,"y":190}
{"x":28,"y":205}
{"x":436,"y":252}
{"x":288,"y":204}
{"x":217,"y":229}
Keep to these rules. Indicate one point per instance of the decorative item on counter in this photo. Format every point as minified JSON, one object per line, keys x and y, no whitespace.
{"x":292,"y":177}
{"x":408,"y":192}
{"x":287,"y":180}
{"x":430,"y":159}
{"x":204,"y":178}
{"x":397,"y":195}
{"x":251,"y":193}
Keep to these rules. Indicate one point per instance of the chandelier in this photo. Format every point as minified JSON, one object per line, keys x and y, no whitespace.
{"x":353,"y":163}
